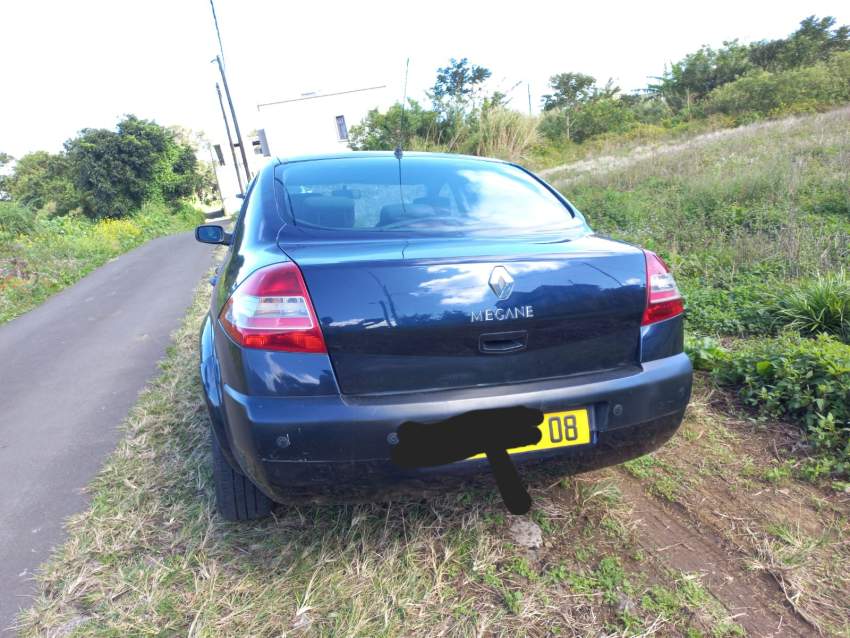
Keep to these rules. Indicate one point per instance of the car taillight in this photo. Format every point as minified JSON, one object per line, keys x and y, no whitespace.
{"x":271,"y":310}
{"x":663,"y":299}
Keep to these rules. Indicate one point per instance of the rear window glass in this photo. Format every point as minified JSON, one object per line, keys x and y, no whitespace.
{"x":418,"y":194}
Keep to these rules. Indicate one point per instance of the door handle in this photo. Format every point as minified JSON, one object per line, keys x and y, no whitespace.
{"x":503,"y":342}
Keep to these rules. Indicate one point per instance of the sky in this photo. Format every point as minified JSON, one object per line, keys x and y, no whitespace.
{"x":65,"y":66}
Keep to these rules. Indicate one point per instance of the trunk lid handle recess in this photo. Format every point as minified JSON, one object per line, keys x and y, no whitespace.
{"x":503,"y":342}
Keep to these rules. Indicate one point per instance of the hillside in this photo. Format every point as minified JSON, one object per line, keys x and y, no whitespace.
{"x":756,"y":225}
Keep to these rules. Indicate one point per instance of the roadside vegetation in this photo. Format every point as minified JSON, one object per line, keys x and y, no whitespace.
{"x":709,"y":89}
{"x":756,"y":227}
{"x":64,"y":214}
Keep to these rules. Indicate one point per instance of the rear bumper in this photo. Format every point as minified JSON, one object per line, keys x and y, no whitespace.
{"x":287,"y":444}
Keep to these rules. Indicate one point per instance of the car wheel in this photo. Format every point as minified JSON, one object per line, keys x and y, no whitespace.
{"x":237,"y":498}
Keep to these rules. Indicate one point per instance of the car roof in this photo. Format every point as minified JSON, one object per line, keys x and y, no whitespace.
{"x":368,"y":154}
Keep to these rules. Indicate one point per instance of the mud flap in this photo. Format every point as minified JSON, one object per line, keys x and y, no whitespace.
{"x":489,"y":432}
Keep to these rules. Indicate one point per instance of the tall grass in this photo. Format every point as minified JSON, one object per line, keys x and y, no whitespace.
{"x":506,"y":134}
{"x":819,"y":306}
{"x":496,"y":132}
{"x":748,"y":219}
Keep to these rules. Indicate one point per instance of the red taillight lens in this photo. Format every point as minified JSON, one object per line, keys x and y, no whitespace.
{"x":271,"y":310}
{"x":663,"y":299}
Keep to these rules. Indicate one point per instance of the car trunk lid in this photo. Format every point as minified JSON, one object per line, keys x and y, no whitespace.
{"x":429,"y":314}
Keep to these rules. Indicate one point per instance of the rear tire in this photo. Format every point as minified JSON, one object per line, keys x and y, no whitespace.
{"x":236,"y":497}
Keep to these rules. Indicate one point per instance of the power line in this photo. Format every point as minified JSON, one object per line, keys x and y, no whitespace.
{"x":320,"y":95}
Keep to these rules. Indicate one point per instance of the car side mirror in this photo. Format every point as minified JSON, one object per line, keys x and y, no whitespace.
{"x":212,"y":235}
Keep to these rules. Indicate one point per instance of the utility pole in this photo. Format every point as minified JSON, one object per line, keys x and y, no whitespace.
{"x":230,"y":139}
{"x":235,"y":122}
{"x":528,"y":84}
{"x":215,"y":174}
{"x":217,"y":32}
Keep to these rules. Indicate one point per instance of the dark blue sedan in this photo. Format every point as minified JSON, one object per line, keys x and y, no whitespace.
{"x":363,"y":291}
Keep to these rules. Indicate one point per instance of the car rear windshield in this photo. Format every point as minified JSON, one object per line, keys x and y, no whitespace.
{"x":419,"y":193}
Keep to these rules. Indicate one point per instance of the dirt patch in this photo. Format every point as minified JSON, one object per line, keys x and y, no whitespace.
{"x":724,"y":482}
{"x":750,"y":598}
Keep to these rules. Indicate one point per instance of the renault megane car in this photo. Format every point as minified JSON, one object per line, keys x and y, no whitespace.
{"x":363,"y":290}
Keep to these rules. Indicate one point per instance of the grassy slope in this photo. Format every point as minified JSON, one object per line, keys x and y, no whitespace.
{"x":61,"y":251}
{"x":771,"y":200}
{"x":746,"y":218}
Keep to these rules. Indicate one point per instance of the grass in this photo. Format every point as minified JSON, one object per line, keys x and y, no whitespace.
{"x":150,"y":556}
{"x":755,"y":223}
{"x":55,"y":253}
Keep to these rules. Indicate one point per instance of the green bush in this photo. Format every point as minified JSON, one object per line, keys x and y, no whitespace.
{"x":705,"y":352}
{"x":15,"y":219}
{"x":743,"y":309}
{"x":803,"y":380}
{"x":821,"y":305}
{"x":793,"y":91}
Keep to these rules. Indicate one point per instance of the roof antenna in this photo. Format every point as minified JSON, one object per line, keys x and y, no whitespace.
{"x":398,"y":151}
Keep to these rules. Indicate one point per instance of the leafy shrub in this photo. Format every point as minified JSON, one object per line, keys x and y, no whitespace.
{"x":793,"y":91}
{"x":602,"y":115}
{"x":706,"y":353}
{"x":821,"y":305}
{"x":744,"y":309}
{"x":804,"y":380}
{"x":15,"y":219}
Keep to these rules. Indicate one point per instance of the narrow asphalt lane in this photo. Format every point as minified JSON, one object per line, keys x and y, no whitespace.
{"x":69,"y":372}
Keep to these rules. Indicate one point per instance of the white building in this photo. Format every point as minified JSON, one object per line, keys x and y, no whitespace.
{"x":317,"y":122}
{"x":310,"y":123}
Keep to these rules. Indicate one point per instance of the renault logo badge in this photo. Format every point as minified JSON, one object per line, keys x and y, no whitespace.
{"x":501,"y":282}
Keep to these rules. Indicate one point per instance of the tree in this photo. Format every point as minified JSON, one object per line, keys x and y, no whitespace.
{"x":697,"y":74}
{"x":116,"y":172}
{"x":5,"y":159}
{"x":42,"y":180}
{"x":458,"y":86}
{"x":206,"y":188}
{"x":571,"y":93}
{"x":569,"y":89}
{"x":815,"y":40}
{"x":381,"y":131}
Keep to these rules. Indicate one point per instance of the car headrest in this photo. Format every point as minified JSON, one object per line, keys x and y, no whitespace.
{"x":437,"y":202}
{"x":392,"y":213}
{"x":323,"y":210}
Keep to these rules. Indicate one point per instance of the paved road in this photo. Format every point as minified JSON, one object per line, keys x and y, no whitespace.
{"x":69,"y":372}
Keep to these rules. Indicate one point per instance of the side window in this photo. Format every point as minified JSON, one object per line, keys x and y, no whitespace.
{"x":239,"y":224}
{"x":240,"y":218}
